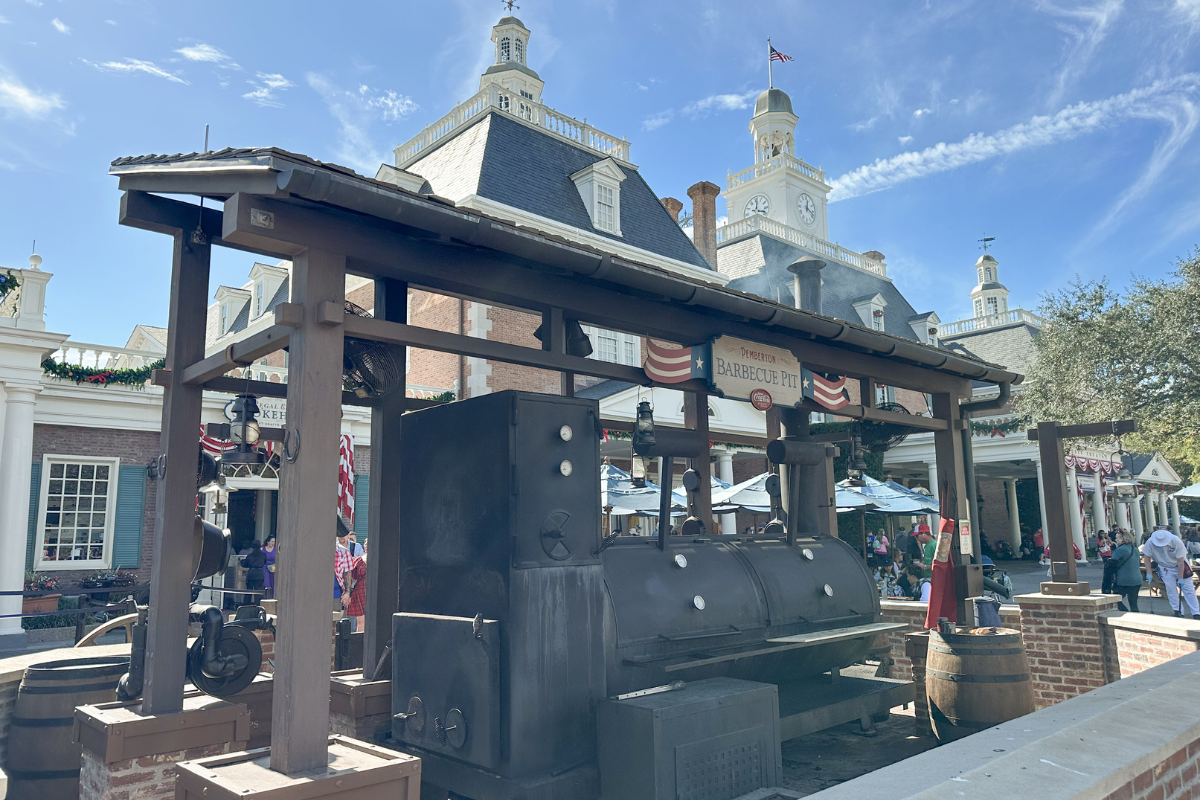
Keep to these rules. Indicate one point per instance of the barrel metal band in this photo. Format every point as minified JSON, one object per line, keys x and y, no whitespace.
{"x":955,"y":677}
{"x":67,"y":688}
{"x":971,"y":651}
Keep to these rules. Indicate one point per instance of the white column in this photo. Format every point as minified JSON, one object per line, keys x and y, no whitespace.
{"x":1014,"y":517}
{"x":1175,"y":514}
{"x":725,"y":473}
{"x":1076,"y":515}
{"x":16,"y":459}
{"x":1042,"y":501}
{"x":1122,"y":520}
{"x":1135,"y":511}
{"x":262,"y":515}
{"x":1162,"y":509}
{"x":1151,"y":522}
{"x":934,"y":520}
{"x":1099,"y":505}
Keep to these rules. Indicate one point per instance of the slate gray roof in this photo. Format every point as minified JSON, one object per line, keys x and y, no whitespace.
{"x":603,"y":389}
{"x":841,"y":286}
{"x":508,"y":162}
{"x":1011,"y":346}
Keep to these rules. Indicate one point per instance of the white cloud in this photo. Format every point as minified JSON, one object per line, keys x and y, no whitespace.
{"x":18,"y":100}
{"x":1086,"y":27}
{"x":265,"y":86}
{"x":355,"y":111}
{"x":1170,"y":100}
{"x":655,"y":122}
{"x":905,"y":139}
{"x":110,"y":22}
{"x":59,"y":25}
{"x":35,"y":3}
{"x":131,"y":65}
{"x":922,"y":112}
{"x":720,"y":102}
{"x":4,"y":21}
{"x":207,"y":53}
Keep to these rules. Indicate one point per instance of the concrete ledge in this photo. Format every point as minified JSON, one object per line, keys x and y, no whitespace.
{"x":1138,"y":724}
{"x":1152,"y":623}
{"x":1093,"y":599}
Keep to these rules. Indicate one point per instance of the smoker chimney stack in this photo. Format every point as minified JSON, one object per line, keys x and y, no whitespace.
{"x":704,"y":219}
{"x":672,"y":206}
{"x":806,"y":285}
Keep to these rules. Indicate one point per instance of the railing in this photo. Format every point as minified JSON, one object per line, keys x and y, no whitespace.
{"x":98,"y":356}
{"x":989,"y":321}
{"x":760,"y":224}
{"x":781,"y":161}
{"x":493,"y":96}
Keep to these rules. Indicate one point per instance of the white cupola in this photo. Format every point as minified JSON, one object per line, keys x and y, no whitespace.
{"x":989,"y":297}
{"x":511,"y":70}
{"x":773,"y":126}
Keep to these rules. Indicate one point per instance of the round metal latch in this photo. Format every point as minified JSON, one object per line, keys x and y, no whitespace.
{"x":414,"y":718}
{"x":808,"y":554}
{"x":828,"y":590}
{"x":698,"y":603}
{"x":453,"y":731}
{"x":681,"y":560}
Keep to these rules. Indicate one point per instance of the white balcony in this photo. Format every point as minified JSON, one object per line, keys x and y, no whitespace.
{"x":783,"y":161}
{"x":947,"y":329}
{"x":536,"y":114}
{"x":813,"y":244}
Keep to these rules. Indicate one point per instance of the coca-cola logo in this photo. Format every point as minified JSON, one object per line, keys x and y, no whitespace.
{"x":760,"y":399}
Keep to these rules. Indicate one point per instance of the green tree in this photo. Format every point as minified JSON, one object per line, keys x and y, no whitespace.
{"x":1103,"y":356}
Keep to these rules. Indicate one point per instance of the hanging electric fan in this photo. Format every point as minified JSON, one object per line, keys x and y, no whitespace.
{"x":879,"y":437}
{"x":369,"y":369}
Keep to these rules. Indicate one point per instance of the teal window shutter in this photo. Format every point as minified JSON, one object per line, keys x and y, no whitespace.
{"x":35,"y":485}
{"x":131,"y":508}
{"x":362,"y":501}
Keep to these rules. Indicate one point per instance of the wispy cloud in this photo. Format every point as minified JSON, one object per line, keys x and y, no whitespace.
{"x":18,"y":100}
{"x":4,"y":20}
{"x":355,"y":110}
{"x":207,"y":53}
{"x":1086,"y":26}
{"x":922,"y":112}
{"x":132,"y":65}
{"x":653,"y":123}
{"x":110,"y":22}
{"x":1171,"y":100}
{"x":720,"y":102}
{"x":905,"y":139}
{"x":266,"y":84}
{"x":59,"y":25}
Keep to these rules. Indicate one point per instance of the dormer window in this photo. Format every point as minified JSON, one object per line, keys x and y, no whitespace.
{"x":505,"y":49}
{"x":224,"y":319}
{"x":258,"y":299}
{"x":877,"y":319}
{"x":519,"y":50}
{"x":600,"y":189}
{"x":870,"y":311}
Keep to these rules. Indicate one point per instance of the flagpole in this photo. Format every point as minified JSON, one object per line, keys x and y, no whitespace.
{"x":770,"y":76}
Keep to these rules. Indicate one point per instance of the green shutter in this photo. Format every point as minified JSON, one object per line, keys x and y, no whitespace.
{"x":362,"y":501}
{"x":131,"y":508}
{"x":35,"y":480}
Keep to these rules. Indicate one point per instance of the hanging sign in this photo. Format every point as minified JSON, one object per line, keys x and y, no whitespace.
{"x":763,"y":375}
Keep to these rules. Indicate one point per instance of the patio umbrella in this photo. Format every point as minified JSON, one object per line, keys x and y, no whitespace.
{"x":892,"y":497}
{"x":1191,"y":491}
{"x":618,"y":493}
{"x":752,"y":496}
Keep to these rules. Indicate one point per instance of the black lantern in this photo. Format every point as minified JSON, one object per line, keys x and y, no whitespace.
{"x":857,"y":465}
{"x":643,"y":428}
{"x":637,"y":471}
{"x":244,"y":432}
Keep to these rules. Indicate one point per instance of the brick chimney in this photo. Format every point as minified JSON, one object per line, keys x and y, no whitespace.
{"x":672,"y":206}
{"x":704,"y":219}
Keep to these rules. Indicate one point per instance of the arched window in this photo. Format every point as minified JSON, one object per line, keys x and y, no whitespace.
{"x":505,"y":49}
{"x":981,"y":276}
{"x":520,"y":51}
{"x":988,"y":273}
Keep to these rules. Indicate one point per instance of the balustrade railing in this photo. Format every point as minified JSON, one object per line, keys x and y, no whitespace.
{"x":813,"y":244}
{"x":989,"y":321}
{"x":495,"y":97}
{"x":98,"y":356}
{"x":781,"y":161}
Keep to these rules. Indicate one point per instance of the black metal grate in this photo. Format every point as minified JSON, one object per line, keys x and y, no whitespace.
{"x":721,"y":774}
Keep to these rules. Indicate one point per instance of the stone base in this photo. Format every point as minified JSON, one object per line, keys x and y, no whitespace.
{"x":356,"y":771}
{"x":1079,"y":589}
{"x":127,"y":756}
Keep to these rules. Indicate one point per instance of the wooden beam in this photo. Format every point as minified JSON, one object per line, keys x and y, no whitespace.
{"x":695,"y":417}
{"x":175,"y":509}
{"x":228,"y":385}
{"x":239,"y":354}
{"x":377,"y":248}
{"x":1057,"y":497}
{"x":1115,"y":428}
{"x":150,"y":212}
{"x":307,"y":503}
{"x":626,"y":426}
{"x":383,"y":512}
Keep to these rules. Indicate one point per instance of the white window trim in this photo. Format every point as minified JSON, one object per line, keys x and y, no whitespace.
{"x":588,"y":181}
{"x":622,"y":339}
{"x":866,"y":310}
{"x":110,"y":519}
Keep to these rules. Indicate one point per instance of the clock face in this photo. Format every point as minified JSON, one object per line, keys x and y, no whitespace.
{"x":757,"y":205}
{"x":807,"y":208}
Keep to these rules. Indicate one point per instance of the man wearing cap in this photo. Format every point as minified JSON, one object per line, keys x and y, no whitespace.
{"x":1170,"y":554}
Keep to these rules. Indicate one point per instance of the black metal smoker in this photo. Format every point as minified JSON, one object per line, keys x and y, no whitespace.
{"x":516,"y":624}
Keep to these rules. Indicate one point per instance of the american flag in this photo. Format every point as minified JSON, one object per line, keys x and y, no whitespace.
{"x":213,"y":445}
{"x":345,"y":501}
{"x":826,"y":391}
{"x":675,"y":364}
{"x":778,"y":56}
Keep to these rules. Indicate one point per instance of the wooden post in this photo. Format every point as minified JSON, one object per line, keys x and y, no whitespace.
{"x":1058,"y":513}
{"x":307,"y":521}
{"x":951,"y":473}
{"x":554,"y":340}
{"x":383,"y":565}
{"x":175,"y":515}
{"x":695,"y":416}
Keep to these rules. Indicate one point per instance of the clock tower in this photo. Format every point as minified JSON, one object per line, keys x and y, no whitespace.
{"x":780,"y":186}
{"x":989,"y":297}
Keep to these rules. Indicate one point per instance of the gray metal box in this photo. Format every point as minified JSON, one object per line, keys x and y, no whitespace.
{"x":715,"y":739}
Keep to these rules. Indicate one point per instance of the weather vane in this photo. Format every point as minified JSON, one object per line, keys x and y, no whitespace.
{"x":510,"y":5}
{"x":986,"y":241}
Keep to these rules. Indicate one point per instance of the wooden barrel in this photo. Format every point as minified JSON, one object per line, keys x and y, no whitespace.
{"x":976,"y":679}
{"x":43,"y":762}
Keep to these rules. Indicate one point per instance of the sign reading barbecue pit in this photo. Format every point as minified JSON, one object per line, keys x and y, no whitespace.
{"x":743,"y":370}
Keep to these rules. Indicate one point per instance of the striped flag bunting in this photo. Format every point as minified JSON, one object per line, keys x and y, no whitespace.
{"x":345,"y":502}
{"x":668,"y":364}
{"x":824,"y":390}
{"x":213,"y":445}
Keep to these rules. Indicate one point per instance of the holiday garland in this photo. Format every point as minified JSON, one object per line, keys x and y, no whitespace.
{"x":8,"y":284}
{"x":993,"y":428}
{"x":135,"y":377}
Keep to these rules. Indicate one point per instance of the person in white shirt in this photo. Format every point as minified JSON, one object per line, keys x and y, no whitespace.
{"x":1168,"y":552}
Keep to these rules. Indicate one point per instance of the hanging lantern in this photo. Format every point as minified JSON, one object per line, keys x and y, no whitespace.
{"x":643,"y":429}
{"x":244,"y":432}
{"x":858,"y":465}
{"x":637,"y":471}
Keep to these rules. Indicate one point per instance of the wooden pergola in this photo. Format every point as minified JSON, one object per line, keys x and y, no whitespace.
{"x":331,"y":222}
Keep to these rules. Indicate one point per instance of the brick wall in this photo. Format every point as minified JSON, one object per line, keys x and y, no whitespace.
{"x":132,"y":447}
{"x":1135,"y":642}
{"x":145,"y":778}
{"x":1173,"y":778}
{"x":517,"y":327}
{"x":1063,"y":639}
{"x":912,"y":614}
{"x":438,"y":312}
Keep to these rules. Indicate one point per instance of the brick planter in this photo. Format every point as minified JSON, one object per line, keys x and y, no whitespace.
{"x":1065,"y":644}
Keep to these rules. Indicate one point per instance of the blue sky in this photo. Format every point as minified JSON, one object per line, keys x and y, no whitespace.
{"x":1067,"y":130}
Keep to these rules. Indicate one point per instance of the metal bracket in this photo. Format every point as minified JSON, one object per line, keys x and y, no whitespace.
{"x":290,"y":455}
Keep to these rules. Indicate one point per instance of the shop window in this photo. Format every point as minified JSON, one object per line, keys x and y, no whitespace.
{"x":76,"y":512}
